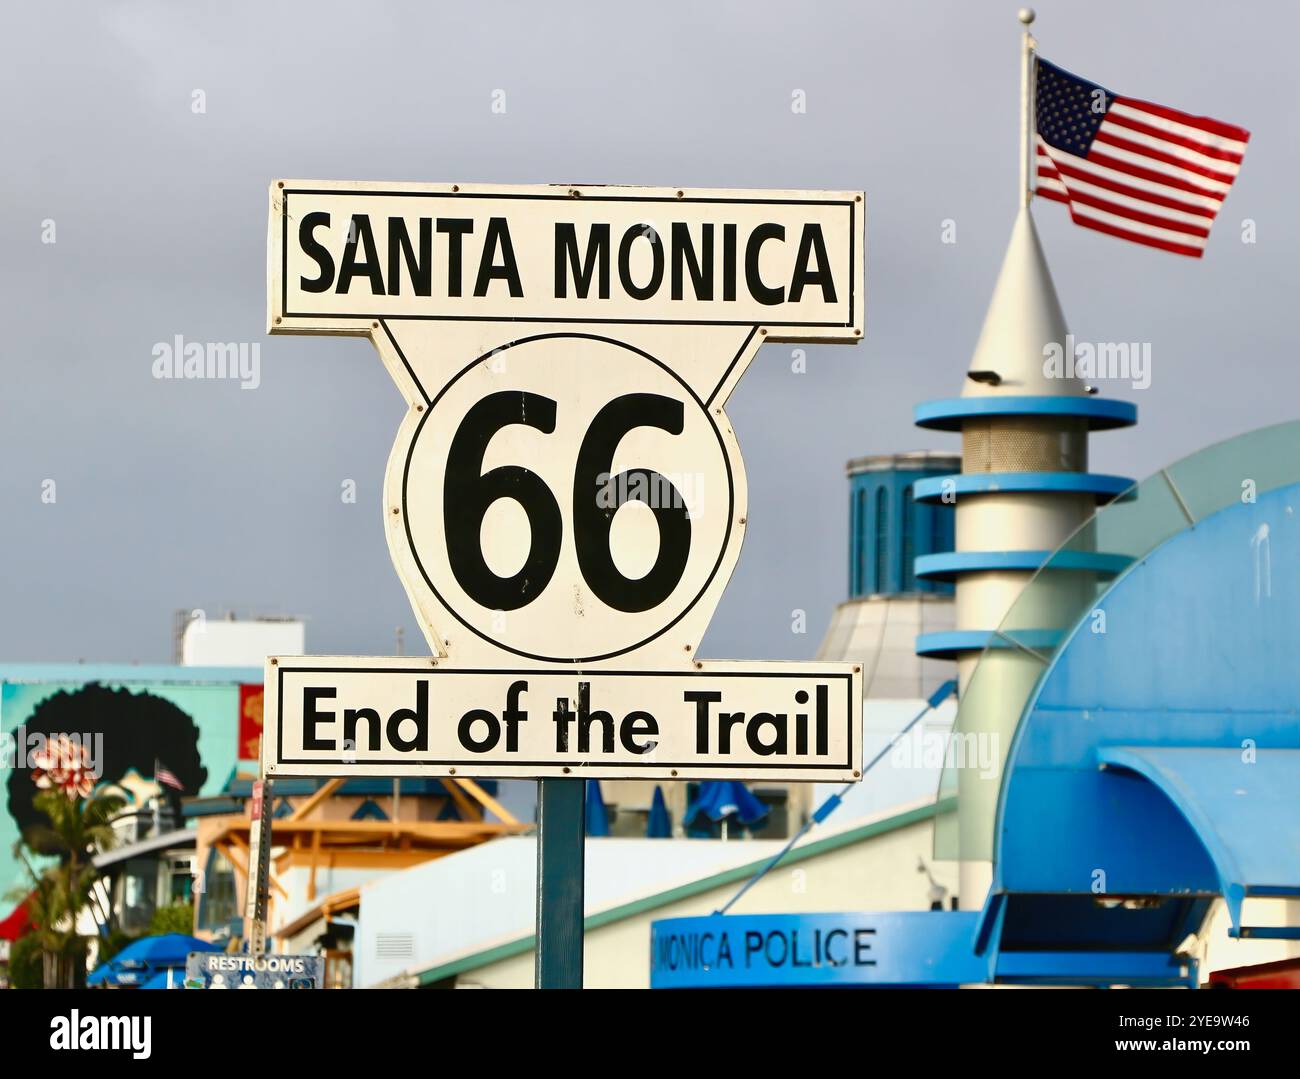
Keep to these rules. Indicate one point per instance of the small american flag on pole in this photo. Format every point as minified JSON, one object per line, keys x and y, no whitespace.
{"x":1142,"y":172}
{"x":164,"y":775}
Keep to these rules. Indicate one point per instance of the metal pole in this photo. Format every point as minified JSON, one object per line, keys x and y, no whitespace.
{"x":560,"y":838}
{"x":1028,"y":143}
{"x":259,"y":867}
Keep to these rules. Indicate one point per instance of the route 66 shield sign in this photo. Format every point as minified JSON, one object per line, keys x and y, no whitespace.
{"x":565,"y":489}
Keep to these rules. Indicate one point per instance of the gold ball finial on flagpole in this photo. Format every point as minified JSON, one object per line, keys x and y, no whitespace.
{"x":1026,"y":15}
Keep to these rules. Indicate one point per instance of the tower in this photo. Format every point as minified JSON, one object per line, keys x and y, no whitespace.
{"x":1024,"y":488}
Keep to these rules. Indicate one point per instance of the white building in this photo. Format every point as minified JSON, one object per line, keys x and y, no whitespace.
{"x":237,"y":642}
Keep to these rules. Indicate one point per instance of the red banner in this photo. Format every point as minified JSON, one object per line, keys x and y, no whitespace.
{"x":250,"y":722}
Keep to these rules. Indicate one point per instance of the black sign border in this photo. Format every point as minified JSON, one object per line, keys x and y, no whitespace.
{"x":588,"y":319}
{"x":731,"y":499}
{"x":578,"y":764}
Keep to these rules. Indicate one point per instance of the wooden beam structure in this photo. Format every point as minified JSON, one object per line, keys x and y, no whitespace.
{"x":302,"y":811}
{"x":486,"y":800}
{"x":326,"y":909}
{"x":235,"y":854}
{"x":305,"y":839}
{"x":315,"y":861}
{"x":468,"y":809}
{"x":362,"y":843}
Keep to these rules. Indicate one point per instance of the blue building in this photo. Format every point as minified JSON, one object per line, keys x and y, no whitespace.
{"x":889,"y":529}
{"x":888,"y":604}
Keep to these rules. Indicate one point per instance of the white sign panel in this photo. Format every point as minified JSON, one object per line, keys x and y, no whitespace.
{"x":346,"y":254}
{"x":566,"y":496}
{"x":383,"y":717}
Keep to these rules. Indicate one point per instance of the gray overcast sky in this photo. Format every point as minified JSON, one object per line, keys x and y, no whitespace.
{"x":192,"y":494}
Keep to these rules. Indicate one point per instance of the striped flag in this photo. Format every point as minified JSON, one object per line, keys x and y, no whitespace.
{"x":1131,"y":169}
{"x":164,"y":775}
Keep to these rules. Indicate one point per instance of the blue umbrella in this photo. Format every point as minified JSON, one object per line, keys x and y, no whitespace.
{"x":99,"y":976}
{"x":159,"y":980}
{"x":658,"y":825}
{"x":597,"y":814}
{"x":722,"y":799}
{"x":140,"y":959}
{"x":109,"y":976}
{"x":167,"y":950}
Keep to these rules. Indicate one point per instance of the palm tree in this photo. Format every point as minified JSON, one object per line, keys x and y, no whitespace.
{"x":78,"y":829}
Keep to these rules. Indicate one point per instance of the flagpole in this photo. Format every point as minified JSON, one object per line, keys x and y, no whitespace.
{"x":1028,"y":147}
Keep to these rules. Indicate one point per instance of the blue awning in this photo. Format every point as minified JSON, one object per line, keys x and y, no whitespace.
{"x":1246,"y":815}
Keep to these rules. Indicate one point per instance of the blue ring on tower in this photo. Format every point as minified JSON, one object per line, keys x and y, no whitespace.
{"x":951,"y":643}
{"x":952,"y":414}
{"x":934,"y":488}
{"x":948,"y":414}
{"x":947,"y":566}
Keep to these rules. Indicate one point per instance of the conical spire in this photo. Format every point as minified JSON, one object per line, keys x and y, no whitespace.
{"x":1024,"y":317}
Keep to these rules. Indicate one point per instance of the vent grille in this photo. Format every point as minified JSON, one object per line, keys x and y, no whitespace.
{"x":395,"y":946}
{"x":1024,"y":444}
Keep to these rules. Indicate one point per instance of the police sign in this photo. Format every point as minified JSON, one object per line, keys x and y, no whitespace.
{"x":565,"y":500}
{"x":910,"y":948}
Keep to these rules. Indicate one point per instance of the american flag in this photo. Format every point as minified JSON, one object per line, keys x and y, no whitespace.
{"x":164,"y":775}
{"x":1142,"y":172}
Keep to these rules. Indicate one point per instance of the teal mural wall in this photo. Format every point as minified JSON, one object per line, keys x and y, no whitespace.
{"x":190,"y":714}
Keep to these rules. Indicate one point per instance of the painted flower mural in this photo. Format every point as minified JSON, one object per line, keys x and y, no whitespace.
{"x":65,"y":765}
{"x":126,"y":732}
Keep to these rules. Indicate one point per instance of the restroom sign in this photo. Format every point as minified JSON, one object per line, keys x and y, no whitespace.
{"x":565,"y":490}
